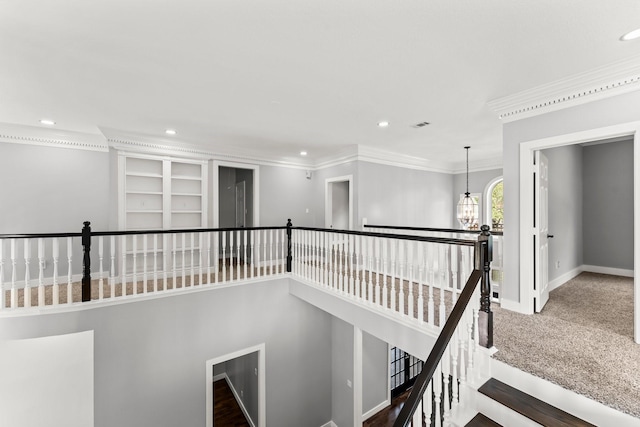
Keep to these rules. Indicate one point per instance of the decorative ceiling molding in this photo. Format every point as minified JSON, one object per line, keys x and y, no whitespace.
{"x":478,"y":166}
{"x":142,"y":144}
{"x":602,"y":82}
{"x":32,"y":135}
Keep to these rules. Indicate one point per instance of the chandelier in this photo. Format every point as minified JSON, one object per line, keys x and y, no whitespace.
{"x":467,"y":206}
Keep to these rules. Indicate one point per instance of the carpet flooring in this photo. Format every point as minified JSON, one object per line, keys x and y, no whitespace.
{"x":582,"y":340}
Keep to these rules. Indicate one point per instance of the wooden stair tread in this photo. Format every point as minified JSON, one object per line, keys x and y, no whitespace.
{"x":481,"y":420}
{"x":529,"y":406}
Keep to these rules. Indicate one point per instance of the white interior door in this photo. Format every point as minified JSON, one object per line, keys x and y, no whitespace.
{"x":541,"y":231}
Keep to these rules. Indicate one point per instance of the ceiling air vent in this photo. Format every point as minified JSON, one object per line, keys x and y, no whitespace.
{"x":421,"y":125}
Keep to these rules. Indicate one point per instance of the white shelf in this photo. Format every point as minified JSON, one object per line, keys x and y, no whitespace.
{"x":144,"y":174}
{"x":139,"y":211}
{"x":187,"y":194}
{"x":154,"y":193}
{"x":187,"y":177}
{"x":186,"y":212}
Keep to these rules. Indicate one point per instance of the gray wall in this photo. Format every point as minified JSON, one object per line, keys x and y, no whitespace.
{"x":150,"y":356}
{"x":597,"y":114}
{"x":286,"y":193}
{"x":227,"y":197}
{"x":608,"y":203}
{"x":375,"y":366}
{"x":47,"y":189}
{"x":478,"y":182}
{"x":565,"y":209}
{"x":342,"y":402}
{"x":340,"y":205}
{"x":320,"y":176}
{"x":390,"y":195}
{"x":246,"y":175}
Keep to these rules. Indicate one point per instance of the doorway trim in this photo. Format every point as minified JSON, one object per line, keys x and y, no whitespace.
{"x":209,"y":364}
{"x":328,"y":202}
{"x":215,"y":200}
{"x":527,"y":150}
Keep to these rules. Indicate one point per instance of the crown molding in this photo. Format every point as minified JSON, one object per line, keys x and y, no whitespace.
{"x":478,"y":166}
{"x":599,"y":83}
{"x":375,"y":155}
{"x":32,"y":135}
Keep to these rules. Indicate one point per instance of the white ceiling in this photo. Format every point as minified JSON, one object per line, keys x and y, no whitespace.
{"x":275,"y":77}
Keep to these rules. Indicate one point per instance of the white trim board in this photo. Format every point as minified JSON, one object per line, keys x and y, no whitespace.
{"x":561,"y":280}
{"x":209,"y":364}
{"x":379,"y":407}
{"x":329,"y":424}
{"x":608,"y":270}
{"x":238,"y":399}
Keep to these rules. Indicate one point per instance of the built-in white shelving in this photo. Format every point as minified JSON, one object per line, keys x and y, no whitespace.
{"x":159,"y":192}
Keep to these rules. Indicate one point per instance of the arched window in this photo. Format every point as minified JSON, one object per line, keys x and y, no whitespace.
{"x":494,"y":204}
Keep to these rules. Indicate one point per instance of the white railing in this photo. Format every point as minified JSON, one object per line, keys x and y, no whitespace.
{"x":418,"y":280}
{"x":46,"y":270}
{"x":497,"y":263}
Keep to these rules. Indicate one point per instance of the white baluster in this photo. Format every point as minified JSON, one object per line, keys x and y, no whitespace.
{"x":244,"y":254}
{"x":2,"y":290}
{"x":264,"y":253}
{"x":27,"y":273}
{"x":370,"y":258}
{"x":271,"y":251}
{"x":237,"y":257}
{"x":416,"y":420}
{"x":446,"y":368}
{"x":145,"y":275}
{"x":193,"y":272}
{"x":437,"y":391}
{"x":349,"y":264}
{"x":455,"y":250}
{"x":155,"y":263}
{"x":427,"y":404}
{"x":14,"y":274}
{"x":421,"y":281}
{"x":401,"y":264}
{"x":385,"y":291}
{"x":377,"y":242}
{"x":69,"y":270}
{"x":134,"y":273}
{"x":55,"y":288}
{"x":40,"y":272}
{"x":183,"y":258}
{"x":392,"y":273}
{"x":358,"y":256}
{"x":224,"y":255}
{"x":208,"y":257}
{"x":441,"y":275}
{"x":165,"y":261}
{"x":216,"y":254}
{"x":411,"y":277}
{"x":112,"y":267}
{"x":258,"y":235}
{"x":453,"y":349}
{"x":251,"y":253}
{"x":201,"y":259}
{"x":431,"y":303}
{"x":174,"y":239}
{"x":101,"y":267}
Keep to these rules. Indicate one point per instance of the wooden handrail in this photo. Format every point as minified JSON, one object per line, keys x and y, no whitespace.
{"x":431,"y":364}
{"x":438,"y":230}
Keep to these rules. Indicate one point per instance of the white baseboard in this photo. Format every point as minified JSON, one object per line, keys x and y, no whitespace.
{"x":222,"y":376}
{"x":608,"y":270}
{"x":376,"y":409}
{"x":569,"y":401}
{"x":329,"y":424}
{"x":513,"y":306}
{"x":559,"y":281}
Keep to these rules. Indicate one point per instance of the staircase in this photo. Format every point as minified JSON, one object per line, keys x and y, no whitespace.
{"x":534,"y":411}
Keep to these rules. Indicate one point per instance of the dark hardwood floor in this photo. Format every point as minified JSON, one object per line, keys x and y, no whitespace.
{"x":226,"y":411}
{"x":388,"y":415}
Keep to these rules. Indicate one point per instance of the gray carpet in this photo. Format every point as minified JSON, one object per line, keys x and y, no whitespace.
{"x":582,"y":340}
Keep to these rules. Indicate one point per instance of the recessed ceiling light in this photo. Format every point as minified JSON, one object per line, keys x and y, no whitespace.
{"x":303,"y":153}
{"x":383,"y":124}
{"x":631,"y":35}
{"x":47,"y":122}
{"x":170,"y":132}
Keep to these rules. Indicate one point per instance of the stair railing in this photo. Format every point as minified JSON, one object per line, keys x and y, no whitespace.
{"x":429,"y":399}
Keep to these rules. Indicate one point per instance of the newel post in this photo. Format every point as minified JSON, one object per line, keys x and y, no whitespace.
{"x":484,"y":256}
{"x":86,"y":262}
{"x":289,"y":257}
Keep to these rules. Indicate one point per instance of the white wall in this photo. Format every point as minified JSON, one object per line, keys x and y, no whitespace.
{"x":241,"y":371}
{"x":47,"y":381}
{"x":150,"y":356}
